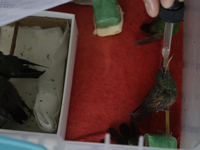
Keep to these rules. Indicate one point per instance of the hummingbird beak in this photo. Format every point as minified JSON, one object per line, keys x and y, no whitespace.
{"x":169,"y":62}
{"x":164,"y":68}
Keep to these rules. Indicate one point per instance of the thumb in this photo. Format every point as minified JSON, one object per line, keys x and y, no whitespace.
{"x":152,"y":7}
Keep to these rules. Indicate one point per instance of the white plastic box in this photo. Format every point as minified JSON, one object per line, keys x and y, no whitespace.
{"x":190,"y":127}
{"x":52,"y":19}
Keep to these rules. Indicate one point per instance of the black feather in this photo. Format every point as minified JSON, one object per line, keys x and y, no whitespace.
{"x":125,"y":131}
{"x":134,"y":129}
{"x":14,"y":67}
{"x":11,"y":101}
{"x":152,"y":38}
{"x":116,"y":137}
{"x":3,"y":116}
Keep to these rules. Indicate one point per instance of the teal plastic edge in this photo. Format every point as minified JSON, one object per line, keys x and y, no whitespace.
{"x":13,"y":144}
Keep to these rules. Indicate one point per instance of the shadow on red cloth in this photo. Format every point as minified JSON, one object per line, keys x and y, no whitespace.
{"x":112,"y":76}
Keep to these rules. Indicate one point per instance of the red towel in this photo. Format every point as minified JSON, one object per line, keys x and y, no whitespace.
{"x":112,"y":75}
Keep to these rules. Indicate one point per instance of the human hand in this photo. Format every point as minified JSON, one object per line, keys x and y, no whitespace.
{"x":152,"y":6}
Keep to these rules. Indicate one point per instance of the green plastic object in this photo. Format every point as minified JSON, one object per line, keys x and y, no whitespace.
{"x":161,"y":141}
{"x":106,"y":13}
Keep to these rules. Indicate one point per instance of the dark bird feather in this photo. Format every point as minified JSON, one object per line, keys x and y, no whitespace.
{"x":153,"y":38}
{"x":115,"y":136}
{"x":124,"y":130}
{"x":129,"y":134}
{"x":14,"y":67}
{"x":3,"y":116}
{"x":11,"y":101}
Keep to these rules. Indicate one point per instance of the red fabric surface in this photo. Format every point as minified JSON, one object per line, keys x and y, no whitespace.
{"x":112,"y":75}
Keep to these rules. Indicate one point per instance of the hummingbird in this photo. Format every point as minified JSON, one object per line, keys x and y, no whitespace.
{"x":129,"y":134}
{"x":14,"y":67}
{"x":161,"y":96}
{"x":11,"y":102}
{"x":155,"y":31}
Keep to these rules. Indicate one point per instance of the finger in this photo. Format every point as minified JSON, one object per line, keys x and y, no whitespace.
{"x":152,"y":7}
{"x":181,"y":0}
{"x":166,"y":3}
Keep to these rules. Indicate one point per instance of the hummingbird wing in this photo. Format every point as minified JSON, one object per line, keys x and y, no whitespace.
{"x":125,"y":131}
{"x":149,"y":27}
{"x":13,"y":67}
{"x":115,"y":136}
{"x":3,"y":116}
{"x":9,"y":65}
{"x":154,"y":30}
{"x":134,"y":129}
{"x":149,"y":107}
{"x":151,"y":103}
{"x":27,"y":72}
{"x":11,"y":101}
{"x":157,"y":25}
{"x":23,"y":61}
{"x":153,"y":38}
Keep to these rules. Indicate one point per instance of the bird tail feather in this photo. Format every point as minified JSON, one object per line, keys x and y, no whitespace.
{"x":115,"y":136}
{"x":153,"y":38}
{"x":138,"y":117}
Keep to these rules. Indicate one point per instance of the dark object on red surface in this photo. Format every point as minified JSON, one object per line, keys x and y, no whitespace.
{"x":161,"y":96}
{"x":112,"y":75}
{"x":129,"y":134}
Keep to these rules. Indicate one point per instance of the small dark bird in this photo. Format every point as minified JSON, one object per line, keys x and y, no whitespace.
{"x":14,"y":67}
{"x":11,"y":102}
{"x":129,"y":134}
{"x":162,"y":95}
{"x":155,"y":31}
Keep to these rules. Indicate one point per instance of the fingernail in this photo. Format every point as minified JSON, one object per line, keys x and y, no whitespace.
{"x":166,"y":3}
{"x":148,"y":8}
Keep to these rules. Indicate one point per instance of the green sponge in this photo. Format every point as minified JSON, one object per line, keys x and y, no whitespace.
{"x":106,"y":13}
{"x":162,"y":141}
